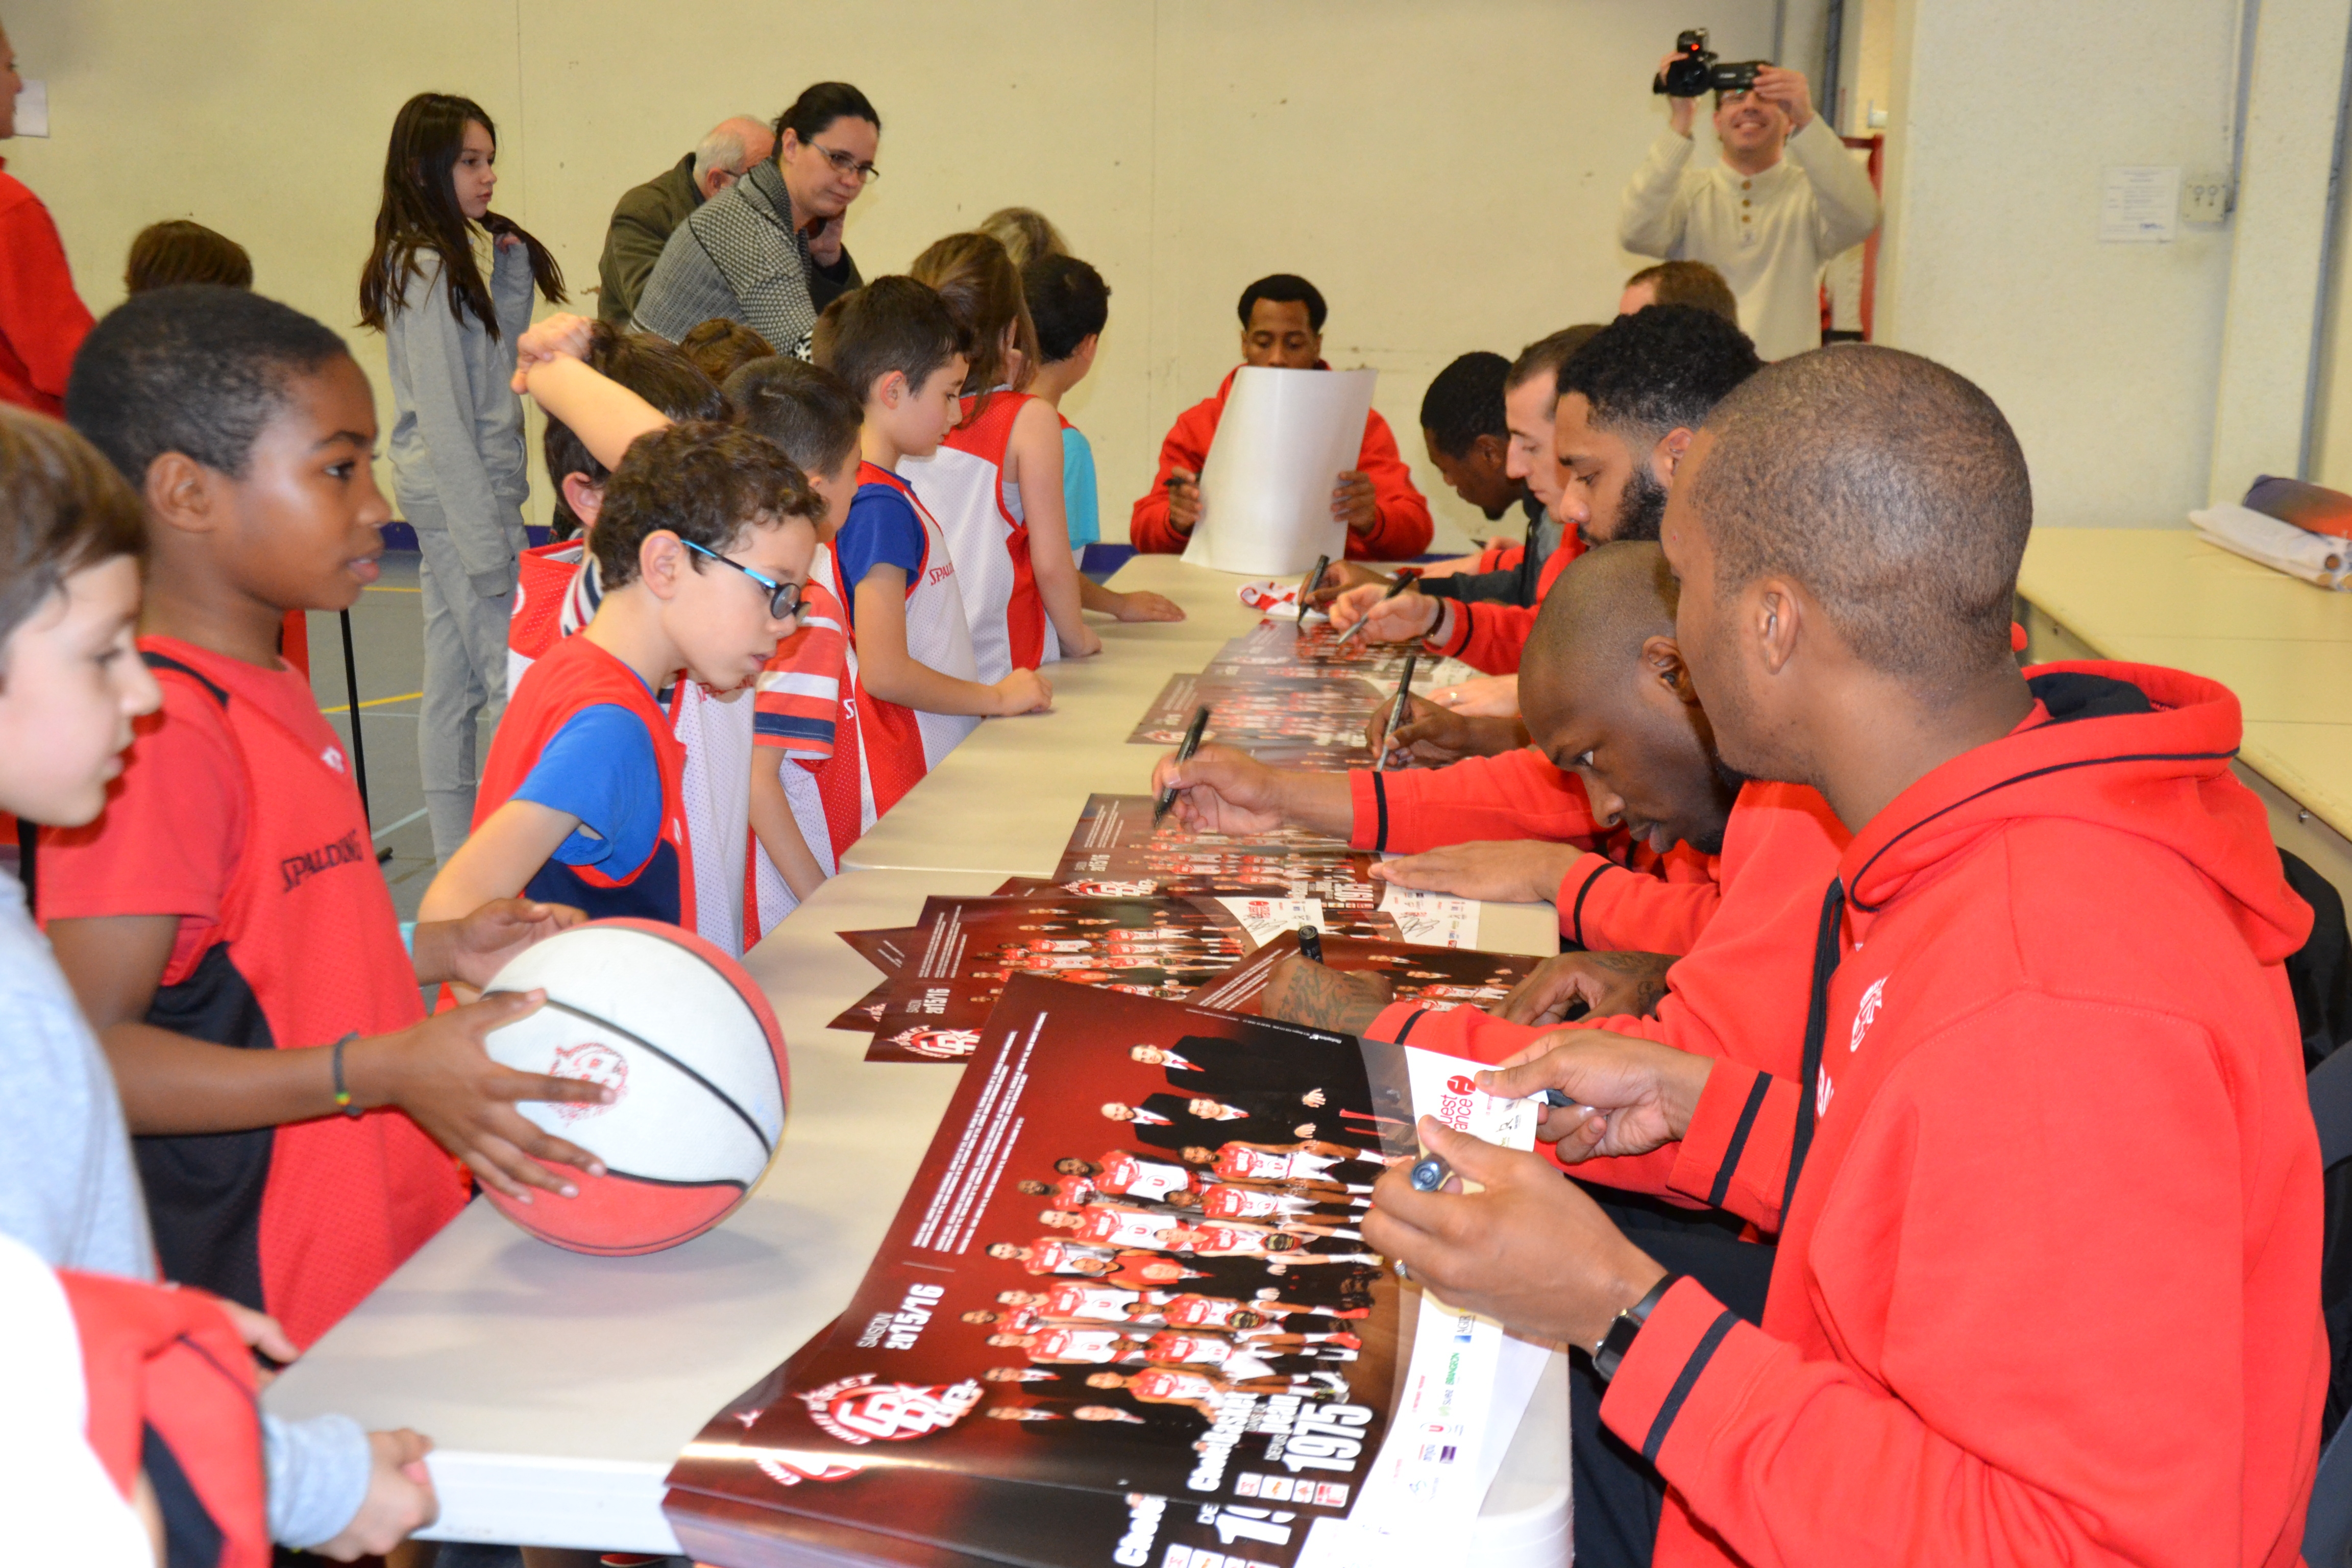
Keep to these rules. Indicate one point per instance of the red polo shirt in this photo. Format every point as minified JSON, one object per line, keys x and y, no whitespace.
{"x":42,"y":320}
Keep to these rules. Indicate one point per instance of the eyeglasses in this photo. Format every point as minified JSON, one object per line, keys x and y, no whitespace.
{"x":783,"y":598}
{"x":844,"y":164}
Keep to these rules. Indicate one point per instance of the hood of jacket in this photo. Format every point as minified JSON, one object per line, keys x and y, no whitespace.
{"x":2136,"y":748}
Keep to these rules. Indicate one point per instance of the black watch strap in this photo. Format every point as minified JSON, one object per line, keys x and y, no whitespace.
{"x":1625,"y":1326}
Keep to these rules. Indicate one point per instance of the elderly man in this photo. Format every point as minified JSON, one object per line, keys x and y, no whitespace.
{"x":645,"y":216}
{"x":1767,"y":222}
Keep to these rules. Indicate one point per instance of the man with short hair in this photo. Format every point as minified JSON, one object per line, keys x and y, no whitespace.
{"x":1628,"y":401}
{"x":1282,"y":329}
{"x":645,"y":216}
{"x":1785,"y":198}
{"x":2045,"y":1183}
{"x":1679,"y":283}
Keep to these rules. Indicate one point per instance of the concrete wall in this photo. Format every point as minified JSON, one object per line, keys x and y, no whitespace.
{"x":1448,"y":175}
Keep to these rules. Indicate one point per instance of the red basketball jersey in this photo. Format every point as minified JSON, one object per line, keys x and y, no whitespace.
{"x":962,"y":484}
{"x":573,"y":675}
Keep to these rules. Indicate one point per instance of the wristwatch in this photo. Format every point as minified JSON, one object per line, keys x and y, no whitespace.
{"x":1624,"y":1326}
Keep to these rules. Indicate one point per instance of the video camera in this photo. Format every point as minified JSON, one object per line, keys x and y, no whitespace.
{"x":1695,"y":72}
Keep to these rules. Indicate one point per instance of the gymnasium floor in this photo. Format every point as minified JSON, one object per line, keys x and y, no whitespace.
{"x":388,"y":646}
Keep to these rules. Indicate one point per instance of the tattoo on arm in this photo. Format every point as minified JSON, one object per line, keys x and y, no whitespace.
{"x":1331,"y":999}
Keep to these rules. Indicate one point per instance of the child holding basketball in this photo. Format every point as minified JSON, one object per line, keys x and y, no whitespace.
{"x":223,"y":923}
{"x":71,"y":687}
{"x":702,"y":542}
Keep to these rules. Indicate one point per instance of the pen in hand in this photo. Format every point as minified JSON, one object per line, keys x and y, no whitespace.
{"x":1406,"y":577}
{"x":1396,"y":713}
{"x":1183,"y":754}
{"x":1313,"y":581}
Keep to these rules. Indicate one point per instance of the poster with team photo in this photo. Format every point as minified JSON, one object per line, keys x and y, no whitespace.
{"x":1253,"y":711}
{"x":1440,"y":978}
{"x":932,"y":1010}
{"x":1277,"y":648}
{"x":1127,"y":1308}
{"x":1118,"y":848}
{"x":734,"y":1501}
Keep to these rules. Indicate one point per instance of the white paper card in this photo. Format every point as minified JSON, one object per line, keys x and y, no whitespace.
{"x":32,"y":108}
{"x":2139,"y":205}
{"x":1285,"y":438}
{"x":1432,"y":920}
{"x":1266,"y":919}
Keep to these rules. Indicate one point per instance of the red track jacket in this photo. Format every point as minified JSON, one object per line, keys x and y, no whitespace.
{"x":1623,"y":897}
{"x":42,"y":320}
{"x":2048,"y":1290}
{"x":1401,"y":532}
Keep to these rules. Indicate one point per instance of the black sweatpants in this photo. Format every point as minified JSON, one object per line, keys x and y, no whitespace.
{"x":1619,"y":1496}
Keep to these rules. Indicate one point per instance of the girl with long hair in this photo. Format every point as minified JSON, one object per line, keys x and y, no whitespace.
{"x":449,"y":283}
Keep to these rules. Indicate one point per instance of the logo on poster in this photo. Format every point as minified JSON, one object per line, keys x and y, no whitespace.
{"x":861,"y":1410}
{"x":792,"y":1472}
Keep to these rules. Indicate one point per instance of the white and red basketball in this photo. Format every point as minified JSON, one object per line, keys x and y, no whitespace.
{"x":696,"y":1062}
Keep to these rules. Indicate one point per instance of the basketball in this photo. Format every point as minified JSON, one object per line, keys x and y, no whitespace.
{"x":688,"y":1046}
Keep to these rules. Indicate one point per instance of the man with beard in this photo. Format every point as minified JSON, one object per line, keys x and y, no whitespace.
{"x":1629,"y":400}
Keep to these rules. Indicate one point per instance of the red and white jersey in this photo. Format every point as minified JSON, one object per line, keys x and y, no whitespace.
{"x":1061,"y":1256}
{"x":1192,"y":1312}
{"x":1220,"y":1239}
{"x":1165,"y":1384}
{"x":882,"y":750}
{"x":1102,"y":1303}
{"x":1222,"y":1201}
{"x":1099,"y":1346}
{"x":1239,"y":1162}
{"x":1196,"y":1350}
{"x":556,"y":594}
{"x":1132,"y":1176}
{"x":1125,"y":1227}
{"x":963,"y":485}
{"x":1022,"y":1320}
{"x":1073,"y":1192}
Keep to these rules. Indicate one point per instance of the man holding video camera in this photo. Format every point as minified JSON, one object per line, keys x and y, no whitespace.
{"x":1786,"y":197}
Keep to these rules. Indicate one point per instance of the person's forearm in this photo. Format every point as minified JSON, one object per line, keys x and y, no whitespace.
{"x":170,"y":1083}
{"x":777,"y":829}
{"x":894,"y":675}
{"x":1093,"y":595}
{"x":603,"y":414}
{"x":1058,"y":581}
{"x":1317,"y":802}
{"x":1650,"y":214}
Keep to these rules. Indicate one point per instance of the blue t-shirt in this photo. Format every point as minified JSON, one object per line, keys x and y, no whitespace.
{"x":882,"y":530}
{"x":1079,"y":498}
{"x":601,"y":768}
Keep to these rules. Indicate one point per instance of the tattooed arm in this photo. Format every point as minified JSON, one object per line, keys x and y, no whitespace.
{"x":1301,"y":992}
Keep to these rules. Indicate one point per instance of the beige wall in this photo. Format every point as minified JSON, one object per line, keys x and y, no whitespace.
{"x":2103,"y":356}
{"x":1447,"y":175}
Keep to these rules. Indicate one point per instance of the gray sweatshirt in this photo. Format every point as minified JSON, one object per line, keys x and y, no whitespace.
{"x":457,"y":457}
{"x":68,"y":1191}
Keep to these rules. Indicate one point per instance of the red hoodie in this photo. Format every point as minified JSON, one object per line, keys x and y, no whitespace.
{"x":1623,"y":897}
{"x":1401,"y":532}
{"x":1742,"y":990}
{"x":2048,"y":1290}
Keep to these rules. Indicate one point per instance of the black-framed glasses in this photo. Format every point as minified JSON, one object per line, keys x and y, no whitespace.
{"x":783,"y":598}
{"x":844,"y":163}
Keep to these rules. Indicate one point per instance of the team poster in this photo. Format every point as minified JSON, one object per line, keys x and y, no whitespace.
{"x":1116,"y":848}
{"x":1440,"y":978}
{"x":1126,"y":1307}
{"x":1297,"y":719}
{"x":1279,"y":648}
{"x":932,"y":1009}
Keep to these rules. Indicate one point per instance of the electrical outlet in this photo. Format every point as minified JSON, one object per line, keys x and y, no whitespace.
{"x":2206,"y":198}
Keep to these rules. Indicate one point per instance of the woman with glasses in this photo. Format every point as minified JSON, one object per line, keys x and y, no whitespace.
{"x":767,"y":250}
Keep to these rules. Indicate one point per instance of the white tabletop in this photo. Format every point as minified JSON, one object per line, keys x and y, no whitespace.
{"x":559,"y":1387}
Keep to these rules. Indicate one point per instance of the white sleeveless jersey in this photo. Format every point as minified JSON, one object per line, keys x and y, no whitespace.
{"x":963,"y":485}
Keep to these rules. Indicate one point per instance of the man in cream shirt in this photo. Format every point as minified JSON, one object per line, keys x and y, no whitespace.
{"x":1785,"y":198}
